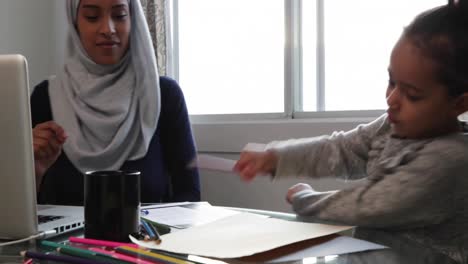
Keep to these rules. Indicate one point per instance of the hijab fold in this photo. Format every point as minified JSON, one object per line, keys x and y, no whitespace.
{"x":109,"y":112}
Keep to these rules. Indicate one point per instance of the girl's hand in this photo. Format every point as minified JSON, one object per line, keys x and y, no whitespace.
{"x":251,"y":164}
{"x":48,"y":138}
{"x":295,"y":189}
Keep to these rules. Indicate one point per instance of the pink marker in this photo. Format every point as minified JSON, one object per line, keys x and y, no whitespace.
{"x":96,"y":242}
{"x":123,"y":257}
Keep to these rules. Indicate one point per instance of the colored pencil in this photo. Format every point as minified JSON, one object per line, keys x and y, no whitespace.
{"x":151,"y":256}
{"x":150,"y":231}
{"x":155,"y":231}
{"x":96,"y":242}
{"x":162,"y":228}
{"x":123,"y":257}
{"x":59,"y":258}
{"x":79,"y":252}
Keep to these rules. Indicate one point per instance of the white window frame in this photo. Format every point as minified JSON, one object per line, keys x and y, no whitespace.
{"x":237,"y":129}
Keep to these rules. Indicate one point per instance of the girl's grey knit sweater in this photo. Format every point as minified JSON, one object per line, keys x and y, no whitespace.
{"x":417,"y":188}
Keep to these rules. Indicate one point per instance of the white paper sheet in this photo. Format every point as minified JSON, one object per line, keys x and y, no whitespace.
{"x":239,"y":235}
{"x":209,"y":162}
{"x":162,"y":205}
{"x":256,"y":147}
{"x":337,"y":246}
{"x":184,"y":217}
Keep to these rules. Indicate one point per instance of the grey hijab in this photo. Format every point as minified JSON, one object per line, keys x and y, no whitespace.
{"x":109,"y":112}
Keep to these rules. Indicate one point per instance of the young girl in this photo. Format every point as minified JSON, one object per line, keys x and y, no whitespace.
{"x":110,"y":110}
{"x":412,"y":162}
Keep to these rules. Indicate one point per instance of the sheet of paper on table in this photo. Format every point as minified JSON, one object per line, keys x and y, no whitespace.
{"x":336,"y":246}
{"x":239,"y":235}
{"x":181,"y":217}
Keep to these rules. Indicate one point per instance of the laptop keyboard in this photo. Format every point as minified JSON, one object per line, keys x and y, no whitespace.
{"x":47,"y":218}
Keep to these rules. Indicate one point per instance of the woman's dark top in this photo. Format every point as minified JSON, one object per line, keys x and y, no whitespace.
{"x":165,"y":176}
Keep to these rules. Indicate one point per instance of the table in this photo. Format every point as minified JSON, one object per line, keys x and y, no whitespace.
{"x":400,"y":251}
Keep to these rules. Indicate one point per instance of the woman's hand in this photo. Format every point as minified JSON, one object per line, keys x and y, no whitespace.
{"x":295,"y":189}
{"x":251,"y":164}
{"x":48,"y":138}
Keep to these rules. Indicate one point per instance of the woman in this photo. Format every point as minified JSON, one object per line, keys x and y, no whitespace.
{"x":108,"y":109}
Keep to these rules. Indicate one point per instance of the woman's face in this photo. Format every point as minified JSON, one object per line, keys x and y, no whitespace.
{"x":104,"y":29}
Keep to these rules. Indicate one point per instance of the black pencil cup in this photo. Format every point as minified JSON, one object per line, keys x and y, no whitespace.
{"x":111,"y":204}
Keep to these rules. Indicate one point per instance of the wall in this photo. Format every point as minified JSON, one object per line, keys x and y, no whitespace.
{"x":226,"y":139}
{"x":28,"y":27}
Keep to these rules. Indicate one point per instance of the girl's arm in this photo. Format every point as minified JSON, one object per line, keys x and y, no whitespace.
{"x":343,"y":154}
{"x":417,"y":192}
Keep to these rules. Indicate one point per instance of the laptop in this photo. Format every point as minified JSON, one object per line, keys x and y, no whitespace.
{"x":21,"y":216}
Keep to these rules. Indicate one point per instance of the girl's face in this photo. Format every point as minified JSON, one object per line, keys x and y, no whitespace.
{"x":418,"y":105}
{"x":104,"y":29}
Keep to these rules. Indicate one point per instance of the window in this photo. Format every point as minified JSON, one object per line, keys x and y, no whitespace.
{"x":231,"y":52}
{"x":287,"y":56}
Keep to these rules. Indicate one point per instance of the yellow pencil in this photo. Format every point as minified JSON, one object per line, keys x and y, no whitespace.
{"x":149,"y":255}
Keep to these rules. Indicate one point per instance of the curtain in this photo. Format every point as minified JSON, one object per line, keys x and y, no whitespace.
{"x":158,"y":17}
